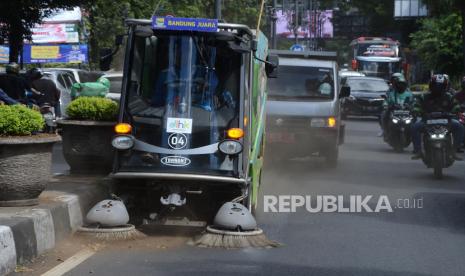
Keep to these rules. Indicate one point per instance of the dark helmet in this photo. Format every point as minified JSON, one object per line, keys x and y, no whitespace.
{"x":12,"y":68}
{"x":463,"y":83}
{"x":439,"y":84}
{"x":35,"y":73}
{"x":399,"y":83}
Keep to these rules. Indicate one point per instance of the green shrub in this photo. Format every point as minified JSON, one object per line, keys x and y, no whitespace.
{"x":18,"y":120}
{"x":92,"y":108}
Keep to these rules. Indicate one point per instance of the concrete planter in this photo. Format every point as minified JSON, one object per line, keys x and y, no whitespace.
{"x":87,"y":145}
{"x":25,"y":168}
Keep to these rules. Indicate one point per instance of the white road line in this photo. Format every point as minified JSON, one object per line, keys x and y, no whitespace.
{"x":70,"y":263}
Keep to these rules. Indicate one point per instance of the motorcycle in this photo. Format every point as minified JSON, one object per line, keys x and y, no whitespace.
{"x":397,"y":133}
{"x":438,"y":150}
{"x":48,"y":114}
{"x":462,"y":119}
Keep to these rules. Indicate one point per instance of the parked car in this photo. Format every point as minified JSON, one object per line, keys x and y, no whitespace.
{"x":80,"y":75}
{"x":116,"y":81}
{"x":344,"y":74}
{"x":303,"y":106}
{"x":366,"y":96}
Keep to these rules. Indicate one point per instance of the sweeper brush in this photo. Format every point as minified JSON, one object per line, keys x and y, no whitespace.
{"x":234,"y":228}
{"x":118,"y":233}
{"x":234,"y":239}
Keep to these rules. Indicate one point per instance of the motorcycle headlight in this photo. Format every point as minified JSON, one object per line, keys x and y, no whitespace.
{"x":395,"y":120}
{"x":438,"y":136}
{"x":122,"y":142}
{"x":230,"y":147}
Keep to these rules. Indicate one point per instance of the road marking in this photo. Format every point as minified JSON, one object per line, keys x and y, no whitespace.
{"x":70,"y":263}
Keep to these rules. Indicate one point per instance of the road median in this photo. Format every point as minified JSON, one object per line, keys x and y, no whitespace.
{"x":27,"y":232}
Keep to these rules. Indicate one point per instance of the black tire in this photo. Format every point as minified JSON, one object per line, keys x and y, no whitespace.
{"x":332,"y":157}
{"x":438,"y":163}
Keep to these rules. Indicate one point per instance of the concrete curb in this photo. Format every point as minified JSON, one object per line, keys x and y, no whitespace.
{"x":26,"y":232}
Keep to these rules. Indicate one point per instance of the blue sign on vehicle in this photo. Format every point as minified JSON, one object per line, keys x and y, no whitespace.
{"x":184,"y":24}
{"x":297,"y":48}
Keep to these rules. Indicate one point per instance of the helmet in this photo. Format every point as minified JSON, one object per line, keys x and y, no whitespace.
{"x":35,"y":73}
{"x":399,"y":82}
{"x":439,"y":84}
{"x":12,"y":68}
{"x":463,"y":83}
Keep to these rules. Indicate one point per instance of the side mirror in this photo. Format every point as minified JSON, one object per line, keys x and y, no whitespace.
{"x":271,"y":66}
{"x":119,"y":39}
{"x":345,"y":92}
{"x":106,"y":57}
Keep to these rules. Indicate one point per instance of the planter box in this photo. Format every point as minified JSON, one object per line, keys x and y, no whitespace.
{"x":87,"y":145}
{"x":25,"y":168}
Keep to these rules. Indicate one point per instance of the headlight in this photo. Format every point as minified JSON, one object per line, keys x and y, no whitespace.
{"x":395,"y":120}
{"x":122,"y":142}
{"x":408,"y":121}
{"x":230,"y":147}
{"x":438,"y":136}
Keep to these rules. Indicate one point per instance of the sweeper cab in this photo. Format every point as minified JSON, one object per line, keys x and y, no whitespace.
{"x":190,"y":132}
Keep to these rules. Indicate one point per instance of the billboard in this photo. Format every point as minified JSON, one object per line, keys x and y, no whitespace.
{"x":409,"y":8}
{"x":62,"y":53}
{"x":314,"y":24}
{"x":55,"y":33}
{"x":64,"y":16}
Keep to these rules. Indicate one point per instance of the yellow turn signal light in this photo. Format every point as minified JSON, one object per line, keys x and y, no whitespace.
{"x":331,"y":122}
{"x":235,"y":133}
{"x":123,"y":128}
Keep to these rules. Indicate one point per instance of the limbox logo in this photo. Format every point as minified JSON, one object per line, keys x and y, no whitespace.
{"x":336,"y":204}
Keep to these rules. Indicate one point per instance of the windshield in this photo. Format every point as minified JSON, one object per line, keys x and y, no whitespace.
{"x":367,"y":85}
{"x":186,"y":87}
{"x":302,"y":83}
{"x":379,"y":69}
{"x":378,"y":50}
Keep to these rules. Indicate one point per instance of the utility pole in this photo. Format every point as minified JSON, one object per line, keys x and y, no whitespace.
{"x":296,"y":22}
{"x":218,"y":9}
{"x":274,"y":18}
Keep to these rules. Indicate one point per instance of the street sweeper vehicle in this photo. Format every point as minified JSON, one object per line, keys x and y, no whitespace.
{"x":190,"y":133}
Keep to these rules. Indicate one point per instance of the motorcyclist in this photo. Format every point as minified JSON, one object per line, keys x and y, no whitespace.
{"x":51,"y":94}
{"x":12,"y":84}
{"x":437,"y":100}
{"x":460,"y":96}
{"x":398,"y":95}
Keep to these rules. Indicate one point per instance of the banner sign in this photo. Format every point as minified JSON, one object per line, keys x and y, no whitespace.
{"x":63,"y":53}
{"x":4,"y":54}
{"x":55,"y":33}
{"x":185,"y":24}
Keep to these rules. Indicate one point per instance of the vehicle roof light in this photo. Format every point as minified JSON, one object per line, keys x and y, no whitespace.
{"x":123,"y":128}
{"x":235,"y":133}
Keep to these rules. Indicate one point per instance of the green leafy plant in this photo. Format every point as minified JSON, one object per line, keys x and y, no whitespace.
{"x":18,"y":120}
{"x":92,"y":108}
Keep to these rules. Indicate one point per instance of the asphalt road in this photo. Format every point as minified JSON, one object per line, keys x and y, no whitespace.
{"x":414,"y":241}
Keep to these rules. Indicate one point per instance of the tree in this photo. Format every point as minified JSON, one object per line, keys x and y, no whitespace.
{"x":106,"y":17}
{"x":444,"y":7}
{"x":438,"y":43}
{"x":17,"y":17}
